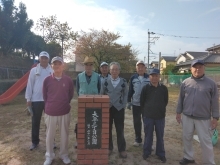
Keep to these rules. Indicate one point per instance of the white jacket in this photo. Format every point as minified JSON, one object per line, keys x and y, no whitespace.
{"x":35,"y":83}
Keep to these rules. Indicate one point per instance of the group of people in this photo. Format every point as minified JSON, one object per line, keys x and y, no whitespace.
{"x":49,"y":90}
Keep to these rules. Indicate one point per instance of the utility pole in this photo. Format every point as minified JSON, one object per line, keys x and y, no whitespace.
{"x":148,"y":52}
{"x":62,"y":38}
{"x":159,"y":60}
{"x":150,"y":41}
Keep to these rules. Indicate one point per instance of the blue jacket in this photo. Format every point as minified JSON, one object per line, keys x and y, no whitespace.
{"x":135,"y":88}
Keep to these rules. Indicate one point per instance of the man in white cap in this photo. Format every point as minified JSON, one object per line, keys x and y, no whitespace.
{"x":137,"y":81}
{"x":104,"y":71}
{"x":57,"y":94}
{"x":34,"y":94}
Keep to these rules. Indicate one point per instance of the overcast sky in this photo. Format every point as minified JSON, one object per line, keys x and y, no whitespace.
{"x":132,"y":19}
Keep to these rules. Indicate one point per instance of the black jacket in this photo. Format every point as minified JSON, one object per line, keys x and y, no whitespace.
{"x":154,"y":100}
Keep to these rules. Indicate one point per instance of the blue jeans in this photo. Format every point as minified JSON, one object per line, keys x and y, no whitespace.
{"x":149,"y":126}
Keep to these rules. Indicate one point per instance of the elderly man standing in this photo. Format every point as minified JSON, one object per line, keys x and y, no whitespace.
{"x":34,"y":94}
{"x":199,"y":105}
{"x":153,"y":101}
{"x":116,"y":88}
{"x":57,"y":94}
{"x":137,"y":82}
{"x":104,"y":71}
{"x":87,"y":82}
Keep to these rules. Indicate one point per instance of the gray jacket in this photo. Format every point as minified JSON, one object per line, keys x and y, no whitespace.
{"x":198,"y":98}
{"x":135,"y":88}
{"x":118,"y":95}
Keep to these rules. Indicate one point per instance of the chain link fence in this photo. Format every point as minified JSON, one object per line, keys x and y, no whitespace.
{"x":12,"y":73}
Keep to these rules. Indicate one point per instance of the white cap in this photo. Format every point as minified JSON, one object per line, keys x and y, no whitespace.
{"x":103,"y":63}
{"x":45,"y":54}
{"x":140,"y":62}
{"x":57,"y":58}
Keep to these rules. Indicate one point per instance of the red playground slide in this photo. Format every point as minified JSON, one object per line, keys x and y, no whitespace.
{"x":15,"y":89}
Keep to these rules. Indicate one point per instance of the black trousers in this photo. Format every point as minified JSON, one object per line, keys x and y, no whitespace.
{"x":118,"y":118}
{"x":137,"y":121}
{"x":37,"y":108}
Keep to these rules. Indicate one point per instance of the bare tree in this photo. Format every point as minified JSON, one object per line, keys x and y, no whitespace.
{"x":103,"y":47}
{"x":56,"y":32}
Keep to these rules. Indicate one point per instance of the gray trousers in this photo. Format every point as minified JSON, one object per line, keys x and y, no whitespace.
{"x":204,"y":132}
{"x":63,"y":123}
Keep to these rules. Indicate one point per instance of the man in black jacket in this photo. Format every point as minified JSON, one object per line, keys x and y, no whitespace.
{"x":153,"y":100}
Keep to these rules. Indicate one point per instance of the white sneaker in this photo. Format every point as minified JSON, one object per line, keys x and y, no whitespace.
{"x":48,"y":161}
{"x":66,"y":160}
{"x":136,"y":144}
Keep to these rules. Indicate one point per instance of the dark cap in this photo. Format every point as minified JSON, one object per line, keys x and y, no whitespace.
{"x":57,"y":58}
{"x":155,"y":71}
{"x":197,"y":62}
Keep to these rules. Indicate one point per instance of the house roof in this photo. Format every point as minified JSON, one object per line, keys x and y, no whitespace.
{"x":212,"y":58}
{"x":154,"y":62}
{"x":213,"y":47}
{"x":169,"y":58}
{"x":196,"y":54}
{"x":188,"y":55}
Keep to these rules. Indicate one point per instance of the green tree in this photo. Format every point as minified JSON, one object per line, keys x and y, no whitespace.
{"x":34,"y":45}
{"x":103,"y":47}
{"x":22,"y":27}
{"x":55,"y":32}
{"x":53,"y":49}
{"x":170,"y":69}
{"x":14,"y":26}
{"x":6,"y":25}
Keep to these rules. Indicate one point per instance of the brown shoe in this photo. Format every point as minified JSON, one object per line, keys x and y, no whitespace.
{"x":123,"y":154}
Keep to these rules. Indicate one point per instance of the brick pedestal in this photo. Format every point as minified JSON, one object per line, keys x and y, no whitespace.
{"x":93,"y":130}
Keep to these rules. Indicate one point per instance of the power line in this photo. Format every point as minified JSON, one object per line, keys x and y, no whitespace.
{"x":151,"y":40}
{"x":177,"y":36}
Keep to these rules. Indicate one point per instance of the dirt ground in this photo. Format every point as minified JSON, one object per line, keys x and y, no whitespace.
{"x":15,"y":138}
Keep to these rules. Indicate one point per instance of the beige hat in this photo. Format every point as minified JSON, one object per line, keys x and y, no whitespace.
{"x":88,"y":60}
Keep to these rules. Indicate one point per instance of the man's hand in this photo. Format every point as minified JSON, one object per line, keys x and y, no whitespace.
{"x":214,"y":123}
{"x":178,"y":118}
{"x":29,"y":103}
{"x":129,"y":105}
